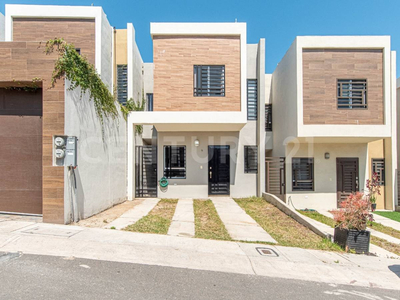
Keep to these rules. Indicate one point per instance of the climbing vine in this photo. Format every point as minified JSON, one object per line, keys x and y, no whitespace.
{"x":132,"y":105}
{"x":81,"y":73}
{"x":25,"y":86}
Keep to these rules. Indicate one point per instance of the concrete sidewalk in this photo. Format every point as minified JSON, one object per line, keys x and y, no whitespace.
{"x":387,"y":222}
{"x":183,"y":220}
{"x":182,"y":252}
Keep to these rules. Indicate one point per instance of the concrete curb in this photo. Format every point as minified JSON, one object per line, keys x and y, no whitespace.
{"x":295,"y":215}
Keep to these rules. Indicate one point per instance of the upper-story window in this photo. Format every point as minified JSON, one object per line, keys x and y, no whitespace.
{"x":251,"y":99}
{"x":149,"y":101}
{"x":352,"y":93}
{"x":268,"y":117}
{"x":209,"y":81}
{"x":122,"y":83}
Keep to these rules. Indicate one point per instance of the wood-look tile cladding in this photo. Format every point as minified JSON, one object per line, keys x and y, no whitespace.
{"x":80,"y":32}
{"x":174,"y":58}
{"x":23,"y":61}
{"x":322,"y":68}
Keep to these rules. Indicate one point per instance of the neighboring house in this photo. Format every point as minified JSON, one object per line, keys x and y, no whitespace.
{"x":31,"y":180}
{"x":208,"y":136}
{"x":334,"y":118}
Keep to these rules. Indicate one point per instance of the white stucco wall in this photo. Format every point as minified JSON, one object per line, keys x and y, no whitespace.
{"x":324,"y":194}
{"x":101,"y":171}
{"x":106,"y":51}
{"x":148,"y":78}
{"x":2,"y":28}
{"x":284,"y":101}
{"x":196,"y":183}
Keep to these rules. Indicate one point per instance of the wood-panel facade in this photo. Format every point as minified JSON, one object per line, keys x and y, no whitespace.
{"x":23,"y":60}
{"x":321,"y":70}
{"x":174,"y":58}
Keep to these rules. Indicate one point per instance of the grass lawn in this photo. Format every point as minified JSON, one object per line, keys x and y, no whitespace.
{"x":394,"y":248}
{"x":394,"y":215}
{"x":207,"y":223}
{"x":158,"y":220}
{"x":285,"y":230}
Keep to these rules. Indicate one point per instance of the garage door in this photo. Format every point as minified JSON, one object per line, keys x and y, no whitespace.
{"x":21,"y":151}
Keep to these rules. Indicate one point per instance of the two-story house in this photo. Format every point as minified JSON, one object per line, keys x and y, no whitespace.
{"x":334,"y":119}
{"x":204,"y":107}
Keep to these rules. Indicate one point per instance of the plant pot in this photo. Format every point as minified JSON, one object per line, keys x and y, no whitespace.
{"x":352,"y":240}
{"x":373,"y":206}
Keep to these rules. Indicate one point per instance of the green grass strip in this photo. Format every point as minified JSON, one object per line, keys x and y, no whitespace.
{"x":208,"y":224}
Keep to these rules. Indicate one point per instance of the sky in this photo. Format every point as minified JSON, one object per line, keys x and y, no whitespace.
{"x":278,"y":21}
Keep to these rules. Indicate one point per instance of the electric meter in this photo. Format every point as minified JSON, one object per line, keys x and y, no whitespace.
{"x":59,"y":153}
{"x":59,"y":141}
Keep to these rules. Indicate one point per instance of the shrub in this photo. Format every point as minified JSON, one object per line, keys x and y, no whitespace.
{"x":373,"y":187}
{"x":354,"y":213}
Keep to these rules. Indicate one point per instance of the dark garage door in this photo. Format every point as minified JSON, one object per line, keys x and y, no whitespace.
{"x":21,"y":151}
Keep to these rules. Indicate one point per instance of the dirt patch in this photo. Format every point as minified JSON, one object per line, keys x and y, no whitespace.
{"x":102,"y":219}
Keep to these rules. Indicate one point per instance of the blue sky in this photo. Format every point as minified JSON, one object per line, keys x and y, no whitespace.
{"x":277,"y":21}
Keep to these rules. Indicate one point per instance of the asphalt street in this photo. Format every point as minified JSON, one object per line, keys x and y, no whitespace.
{"x":48,"y":277}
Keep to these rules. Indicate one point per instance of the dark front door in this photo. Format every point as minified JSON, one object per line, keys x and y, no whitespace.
{"x":347,"y":177}
{"x":146,"y":172}
{"x":218,"y":170}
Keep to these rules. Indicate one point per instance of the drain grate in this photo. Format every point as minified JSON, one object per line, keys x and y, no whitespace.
{"x":264,"y":251}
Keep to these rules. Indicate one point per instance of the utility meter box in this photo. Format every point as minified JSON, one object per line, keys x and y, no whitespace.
{"x":70,"y":152}
{"x":64,"y":151}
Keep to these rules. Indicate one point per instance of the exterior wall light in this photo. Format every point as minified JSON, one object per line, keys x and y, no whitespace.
{"x":196,"y":142}
{"x":327,"y":155}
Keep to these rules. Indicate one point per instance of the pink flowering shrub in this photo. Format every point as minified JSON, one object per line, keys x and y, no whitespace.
{"x":354,"y":212}
{"x":374,"y":188}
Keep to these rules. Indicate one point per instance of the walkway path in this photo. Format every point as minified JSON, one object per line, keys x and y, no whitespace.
{"x":133,"y":215}
{"x":183,"y":221}
{"x":238,"y":223}
{"x":387,"y":222}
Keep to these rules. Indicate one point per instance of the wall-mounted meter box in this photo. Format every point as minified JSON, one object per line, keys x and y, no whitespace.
{"x":70,"y":152}
{"x":64,"y":151}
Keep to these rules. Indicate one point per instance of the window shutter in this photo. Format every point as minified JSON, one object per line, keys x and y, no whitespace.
{"x":209,"y":81}
{"x":303,"y":174}
{"x":250,"y":159}
{"x":251,"y":99}
{"x":175,"y":162}
{"x":122,"y":83}
{"x":268,"y":117}
{"x":378,"y":167}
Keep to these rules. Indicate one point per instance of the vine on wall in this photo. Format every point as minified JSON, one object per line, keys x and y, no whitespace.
{"x":132,"y":105}
{"x":80,"y":72}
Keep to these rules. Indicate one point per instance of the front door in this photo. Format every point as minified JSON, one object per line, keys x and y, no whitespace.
{"x":218,"y":170}
{"x":347,"y":177}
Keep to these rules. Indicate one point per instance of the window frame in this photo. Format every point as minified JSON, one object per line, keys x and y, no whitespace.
{"x":268,"y":121}
{"x":122,"y":90}
{"x":312,"y":180}
{"x":148,"y":102}
{"x":206,"y":92}
{"x":247,"y":168}
{"x":381,"y":175}
{"x":350,"y":98}
{"x":252,"y":117}
{"x":165,"y":162}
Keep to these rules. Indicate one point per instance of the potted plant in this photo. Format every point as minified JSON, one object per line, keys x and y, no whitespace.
{"x":374,"y":189}
{"x":351,"y":223}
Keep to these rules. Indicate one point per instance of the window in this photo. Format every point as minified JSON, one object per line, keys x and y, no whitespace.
{"x":78,"y":50}
{"x":250,"y":159}
{"x":251,"y":99}
{"x":302,"y":174}
{"x":175,"y":162}
{"x":268,"y":117}
{"x":352,"y":93}
{"x":122,"y":83}
{"x":149,"y":100}
{"x":209,"y":81}
{"x":378,"y":167}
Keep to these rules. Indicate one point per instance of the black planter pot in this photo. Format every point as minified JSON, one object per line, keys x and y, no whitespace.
{"x":373,"y":206}
{"x":355,"y":240}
